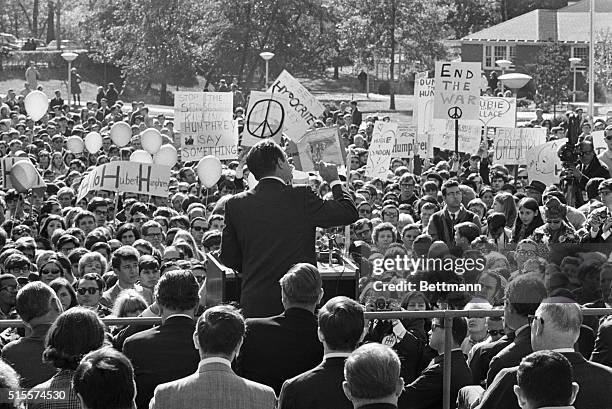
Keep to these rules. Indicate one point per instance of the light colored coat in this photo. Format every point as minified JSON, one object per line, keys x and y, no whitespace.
{"x":214,"y":386}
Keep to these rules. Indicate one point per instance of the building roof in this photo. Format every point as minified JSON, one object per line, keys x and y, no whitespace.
{"x":569,"y":24}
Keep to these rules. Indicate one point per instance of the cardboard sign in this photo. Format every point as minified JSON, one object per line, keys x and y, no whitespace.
{"x":379,"y":154}
{"x":132,"y":177}
{"x":512,"y":144}
{"x":320,"y":145}
{"x":5,"y":174}
{"x":406,"y":142}
{"x":457,"y":89}
{"x":206,"y":125}
{"x":302,"y":109}
{"x":265,"y":117}
{"x":543,"y":164}
{"x":599,"y":142}
{"x":498,"y":112}
{"x":444,"y":136}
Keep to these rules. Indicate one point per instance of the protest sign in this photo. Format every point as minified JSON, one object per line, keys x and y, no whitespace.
{"x":5,"y":173}
{"x":599,"y":142}
{"x":265,"y":117}
{"x":543,"y":164}
{"x":320,"y":145}
{"x":379,"y":154}
{"x":457,"y":85}
{"x":302,"y":109}
{"x":444,"y":136}
{"x":512,"y":144}
{"x":498,"y":112}
{"x":206,"y":126}
{"x":423,"y":113}
{"x":142,"y":178}
{"x":406,"y":145}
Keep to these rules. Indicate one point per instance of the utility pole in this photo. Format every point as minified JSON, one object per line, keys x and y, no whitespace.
{"x":58,"y":27}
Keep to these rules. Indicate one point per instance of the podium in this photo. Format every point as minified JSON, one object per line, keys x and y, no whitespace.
{"x":222,"y":285}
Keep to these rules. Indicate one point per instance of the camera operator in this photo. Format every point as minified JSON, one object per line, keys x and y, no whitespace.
{"x":588,"y":167}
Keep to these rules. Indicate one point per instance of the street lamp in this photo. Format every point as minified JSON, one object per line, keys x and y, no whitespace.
{"x":267,"y":56}
{"x":574,"y":61}
{"x":504,"y":64}
{"x":70,"y":57}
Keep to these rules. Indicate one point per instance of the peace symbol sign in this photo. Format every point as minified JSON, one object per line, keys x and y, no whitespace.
{"x":455,"y":113}
{"x":263,"y":129}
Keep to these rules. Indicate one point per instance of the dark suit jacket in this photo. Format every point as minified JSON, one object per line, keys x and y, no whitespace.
{"x":602,"y":353}
{"x":441,"y":226}
{"x":356,"y":117}
{"x":326,"y":379}
{"x":511,"y":355}
{"x":161,"y":354}
{"x":595,"y":382}
{"x":272,"y":227}
{"x":593,"y":320}
{"x":483,"y":353}
{"x":426,"y":391}
{"x":278,"y":348}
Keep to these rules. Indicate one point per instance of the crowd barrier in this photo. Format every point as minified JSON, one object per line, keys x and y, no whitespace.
{"x":447,"y":315}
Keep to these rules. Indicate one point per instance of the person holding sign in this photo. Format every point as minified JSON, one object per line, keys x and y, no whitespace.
{"x":272,"y":227}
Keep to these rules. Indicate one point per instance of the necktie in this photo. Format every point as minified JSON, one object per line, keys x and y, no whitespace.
{"x":453,"y":217}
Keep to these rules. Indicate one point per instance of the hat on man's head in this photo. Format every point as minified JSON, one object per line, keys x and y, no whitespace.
{"x":554,"y":209}
{"x":536,"y":185}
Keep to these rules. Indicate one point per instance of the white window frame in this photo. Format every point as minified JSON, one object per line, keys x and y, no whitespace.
{"x":491,"y":48}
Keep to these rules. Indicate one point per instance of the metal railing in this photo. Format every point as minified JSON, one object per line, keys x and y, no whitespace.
{"x":447,"y":315}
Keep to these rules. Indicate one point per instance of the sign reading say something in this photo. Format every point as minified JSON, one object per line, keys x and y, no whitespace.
{"x":302,"y":109}
{"x":457,"y":84}
{"x":205,"y":123}
{"x":498,"y":112}
{"x":512,"y":144}
{"x":124,"y":176}
{"x":379,"y":154}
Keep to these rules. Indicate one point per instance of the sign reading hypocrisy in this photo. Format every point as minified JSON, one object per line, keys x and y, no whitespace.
{"x":205,"y":122}
{"x":143,"y":178}
{"x":457,"y":84}
{"x":302,"y":108}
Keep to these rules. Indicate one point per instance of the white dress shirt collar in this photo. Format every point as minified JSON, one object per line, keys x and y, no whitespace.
{"x":336,"y":355}
{"x":215,"y":360}
{"x":179,"y":315}
{"x":275,"y":178}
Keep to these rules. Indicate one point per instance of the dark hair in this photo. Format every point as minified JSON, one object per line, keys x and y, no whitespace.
{"x":124,"y":253}
{"x":262,"y":160}
{"x":74,"y":333}
{"x":34,"y":300}
{"x":59,"y":283}
{"x":93,"y":277}
{"x":534,"y":377}
{"x":537,"y":221}
{"x":301,"y":284}
{"x":468,"y":230}
{"x":525,"y":293}
{"x":220,"y":329}
{"x":146,"y":262}
{"x":448,"y":184}
{"x":125,"y":228}
{"x":45,"y":224}
{"x":177,"y":290}
{"x":341,"y":322}
{"x":101,"y":372}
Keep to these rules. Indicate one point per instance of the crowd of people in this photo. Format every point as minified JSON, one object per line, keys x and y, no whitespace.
{"x":67,"y":264}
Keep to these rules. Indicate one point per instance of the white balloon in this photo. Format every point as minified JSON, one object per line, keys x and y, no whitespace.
{"x":93,"y":142}
{"x":36,"y":104}
{"x":23,"y":175}
{"x":166,"y":155}
{"x":209,"y":170}
{"x":141,"y":156}
{"x":121,"y":133}
{"x":75,"y":144}
{"x":151,"y":140}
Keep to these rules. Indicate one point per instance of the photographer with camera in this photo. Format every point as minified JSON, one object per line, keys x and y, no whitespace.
{"x":577,"y":174}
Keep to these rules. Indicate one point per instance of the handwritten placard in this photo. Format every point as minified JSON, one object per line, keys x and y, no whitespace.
{"x":302,"y":109}
{"x":320,"y":145}
{"x":379,"y":153}
{"x":444,"y":136}
{"x":543,"y":163}
{"x":124,"y":176}
{"x":457,"y":85}
{"x":406,"y":143}
{"x":206,"y":126}
{"x":512,"y":144}
{"x":265,"y":117}
{"x":498,"y":112}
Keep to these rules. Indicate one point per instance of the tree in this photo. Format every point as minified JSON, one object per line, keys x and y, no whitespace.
{"x":469,"y":16}
{"x":603,"y":59}
{"x":552,"y":75}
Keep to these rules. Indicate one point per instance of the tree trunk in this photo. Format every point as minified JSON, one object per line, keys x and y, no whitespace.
{"x":392,"y":64}
{"x":35,"y":18}
{"x":50,"y":22}
{"x":162,"y":92}
{"x":336,"y":72}
{"x":58,"y":26}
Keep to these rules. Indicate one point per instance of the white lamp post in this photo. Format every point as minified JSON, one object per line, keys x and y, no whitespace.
{"x":504,"y":64}
{"x":70,"y":57}
{"x":515,"y":81}
{"x":574,"y":61}
{"x":267,"y":56}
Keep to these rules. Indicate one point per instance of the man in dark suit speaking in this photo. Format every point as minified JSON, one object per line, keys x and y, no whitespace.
{"x":272,"y":227}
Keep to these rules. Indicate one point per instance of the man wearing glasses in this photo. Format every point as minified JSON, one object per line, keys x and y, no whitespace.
{"x":99,"y":207}
{"x":407,"y":183}
{"x":589,"y":167}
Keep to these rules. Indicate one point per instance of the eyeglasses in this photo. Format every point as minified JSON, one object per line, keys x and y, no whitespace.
{"x":496,"y":332}
{"x":199,"y":228}
{"x":54,"y":271}
{"x":526,"y":252}
{"x":522,"y":177}
{"x":140,"y":220}
{"x":533,"y":318}
{"x":609,"y":137}
{"x":586,"y":153}
{"x":407,"y":184}
{"x":85,"y":290}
